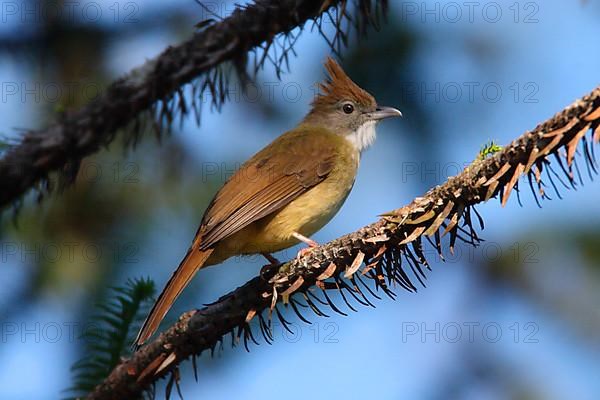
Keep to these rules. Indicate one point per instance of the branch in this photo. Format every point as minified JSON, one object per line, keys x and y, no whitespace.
{"x":388,"y":249}
{"x":157,"y":87}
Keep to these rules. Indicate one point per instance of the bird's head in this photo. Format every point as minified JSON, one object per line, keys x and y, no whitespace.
{"x":346,"y":109}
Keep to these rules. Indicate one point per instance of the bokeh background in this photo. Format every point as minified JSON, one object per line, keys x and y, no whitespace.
{"x":518,"y":317}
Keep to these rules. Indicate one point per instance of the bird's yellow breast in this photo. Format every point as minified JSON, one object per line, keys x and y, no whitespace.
{"x":309,"y":212}
{"x":306,"y":214}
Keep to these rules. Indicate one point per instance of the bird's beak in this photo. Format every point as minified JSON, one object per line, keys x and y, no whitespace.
{"x":385,"y":112}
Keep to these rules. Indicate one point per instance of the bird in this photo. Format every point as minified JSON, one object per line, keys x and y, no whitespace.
{"x":287,"y":191}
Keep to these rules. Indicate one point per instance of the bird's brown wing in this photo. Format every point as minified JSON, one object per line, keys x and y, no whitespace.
{"x":267,"y":182}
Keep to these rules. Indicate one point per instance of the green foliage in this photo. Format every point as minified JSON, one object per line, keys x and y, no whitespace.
{"x":488,"y":149}
{"x":112,"y":334}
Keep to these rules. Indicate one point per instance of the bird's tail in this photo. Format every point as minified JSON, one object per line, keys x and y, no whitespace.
{"x":193,"y":261}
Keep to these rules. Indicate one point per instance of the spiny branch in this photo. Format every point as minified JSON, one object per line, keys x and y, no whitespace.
{"x":155,"y":89}
{"x":390,"y":251}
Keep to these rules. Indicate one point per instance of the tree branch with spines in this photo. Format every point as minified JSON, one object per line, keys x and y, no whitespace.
{"x":366,"y":263}
{"x":156,"y":88}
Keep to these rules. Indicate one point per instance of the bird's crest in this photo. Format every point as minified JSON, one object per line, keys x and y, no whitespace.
{"x":338,"y":86}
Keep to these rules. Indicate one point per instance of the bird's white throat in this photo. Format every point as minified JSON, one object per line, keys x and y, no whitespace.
{"x":364,"y":136}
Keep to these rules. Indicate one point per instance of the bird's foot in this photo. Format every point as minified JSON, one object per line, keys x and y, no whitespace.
{"x":267,"y":271}
{"x":311,"y":244}
{"x":303,"y":252}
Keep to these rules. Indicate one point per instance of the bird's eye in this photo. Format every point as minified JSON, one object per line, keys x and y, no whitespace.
{"x":348,"y":108}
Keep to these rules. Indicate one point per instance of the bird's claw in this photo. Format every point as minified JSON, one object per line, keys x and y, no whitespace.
{"x":303,"y":252}
{"x":269,"y":270}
